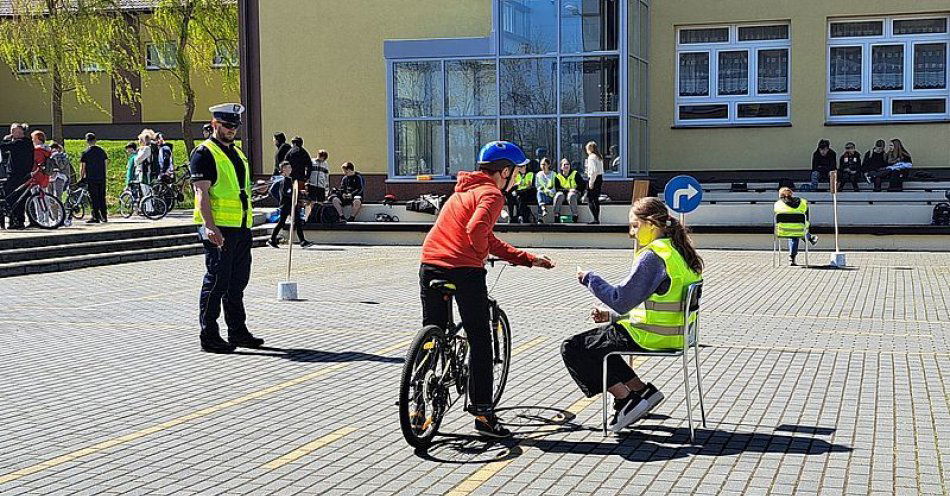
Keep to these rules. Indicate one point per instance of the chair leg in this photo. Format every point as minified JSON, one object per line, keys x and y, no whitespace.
{"x":699,"y":383}
{"x":689,"y":404}
{"x":806,"y":252}
{"x":775,"y":251}
{"x":603,"y":394}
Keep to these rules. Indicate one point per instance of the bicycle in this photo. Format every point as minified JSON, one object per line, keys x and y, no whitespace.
{"x":139,"y":197}
{"x":438,"y":361}
{"x":77,"y":199}
{"x":43,"y":209}
{"x":171,"y":188}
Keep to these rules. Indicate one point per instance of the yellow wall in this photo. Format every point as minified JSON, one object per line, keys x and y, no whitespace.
{"x":162,"y":100}
{"x":24,"y":99}
{"x":323,"y":75}
{"x":774,"y":148}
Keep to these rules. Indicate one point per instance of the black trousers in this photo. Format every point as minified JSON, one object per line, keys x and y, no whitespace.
{"x":228,"y":272}
{"x":282,"y":223}
{"x":524,"y":198}
{"x":18,"y":212}
{"x":593,"y":197}
{"x":97,"y":196}
{"x":844,"y":176}
{"x":471,"y":296}
{"x":584,"y":354}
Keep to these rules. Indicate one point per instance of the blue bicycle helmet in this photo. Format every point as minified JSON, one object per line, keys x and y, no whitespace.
{"x":499,"y":155}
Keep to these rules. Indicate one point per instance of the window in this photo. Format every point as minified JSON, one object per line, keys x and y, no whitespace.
{"x":589,"y":25}
{"x":528,"y":27}
{"x":590,"y":84}
{"x":732,"y":75}
{"x":225,"y":55}
{"x":890,"y":69}
{"x":161,"y":56}
{"x":419,"y":148}
{"x":471,"y":88}
{"x":418,"y":88}
{"x":31,"y":64}
{"x":528,"y":86}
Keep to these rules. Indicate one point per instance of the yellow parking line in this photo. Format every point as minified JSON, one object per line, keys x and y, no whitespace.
{"x":527,"y":346}
{"x":307,"y":448}
{"x":204,"y":412}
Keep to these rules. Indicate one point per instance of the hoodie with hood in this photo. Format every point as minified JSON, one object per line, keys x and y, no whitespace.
{"x":462,"y":235}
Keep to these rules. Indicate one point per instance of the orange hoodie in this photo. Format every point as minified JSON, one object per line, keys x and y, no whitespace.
{"x":462,"y":235}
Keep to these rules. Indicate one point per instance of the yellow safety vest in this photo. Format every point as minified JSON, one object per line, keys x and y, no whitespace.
{"x":568,"y":182}
{"x":525,"y":181}
{"x":791,"y":229}
{"x":227,"y":208}
{"x":545,"y":186}
{"x":657,"y":324}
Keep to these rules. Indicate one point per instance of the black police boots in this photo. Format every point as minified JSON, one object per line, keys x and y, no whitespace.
{"x":246,"y":340}
{"x":214,"y":344}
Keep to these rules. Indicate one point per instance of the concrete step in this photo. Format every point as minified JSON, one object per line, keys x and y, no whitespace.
{"x":73,"y":262}
{"x":69,"y":238}
{"x":93,"y":247}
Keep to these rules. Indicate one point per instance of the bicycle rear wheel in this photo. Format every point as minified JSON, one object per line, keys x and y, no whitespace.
{"x":167,"y":193}
{"x":76,"y":205}
{"x":153,"y":207}
{"x":126,"y":204}
{"x":45,"y":211}
{"x":501,"y":353}
{"x":423,"y":397}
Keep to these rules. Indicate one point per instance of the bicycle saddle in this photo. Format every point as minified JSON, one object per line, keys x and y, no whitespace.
{"x":443,"y":286}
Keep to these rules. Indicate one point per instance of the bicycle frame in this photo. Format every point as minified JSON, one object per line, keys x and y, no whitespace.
{"x":451,"y":334}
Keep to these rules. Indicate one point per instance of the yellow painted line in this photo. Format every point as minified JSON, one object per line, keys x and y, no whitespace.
{"x":880,"y":334}
{"x":823,"y":317}
{"x":527,"y":346}
{"x":204,"y":412}
{"x":829,"y":350}
{"x":307,"y":448}
{"x":474,"y":481}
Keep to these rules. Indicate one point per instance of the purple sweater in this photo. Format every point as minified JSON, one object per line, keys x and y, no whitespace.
{"x":648,"y":276}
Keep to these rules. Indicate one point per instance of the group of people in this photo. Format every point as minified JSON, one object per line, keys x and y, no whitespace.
{"x":296,"y":170}
{"x":552,"y":189}
{"x":25,"y":154}
{"x":149,"y":159}
{"x":883,"y":162}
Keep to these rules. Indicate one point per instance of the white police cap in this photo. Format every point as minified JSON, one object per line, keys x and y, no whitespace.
{"x":227,"y":112}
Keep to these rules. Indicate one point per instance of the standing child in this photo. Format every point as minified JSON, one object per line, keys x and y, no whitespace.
{"x":132,"y":170}
{"x":287,"y":208}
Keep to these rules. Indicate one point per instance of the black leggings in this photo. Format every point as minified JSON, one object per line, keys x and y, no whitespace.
{"x":584,"y":354}
{"x":593,"y":197}
{"x":471,"y":296}
{"x":282,"y":223}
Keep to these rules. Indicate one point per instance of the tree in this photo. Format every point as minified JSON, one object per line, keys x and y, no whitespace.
{"x":199,"y":31}
{"x":74,"y":43}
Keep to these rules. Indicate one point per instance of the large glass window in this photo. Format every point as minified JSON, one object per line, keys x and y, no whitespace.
{"x":888,"y":69}
{"x":728,"y":75}
{"x":528,"y":27}
{"x":528,"y":86}
{"x":576,"y":132}
{"x":537,"y":137}
{"x":590,"y":84}
{"x":419,"y":148}
{"x":465,"y":138}
{"x":589,"y":25}
{"x":418,"y":88}
{"x":471,"y":88}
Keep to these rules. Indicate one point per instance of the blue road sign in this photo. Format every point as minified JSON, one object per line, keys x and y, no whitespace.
{"x":683,"y":194}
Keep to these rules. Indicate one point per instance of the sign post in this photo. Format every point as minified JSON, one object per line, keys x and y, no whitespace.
{"x":838,"y":258}
{"x":287,"y":290}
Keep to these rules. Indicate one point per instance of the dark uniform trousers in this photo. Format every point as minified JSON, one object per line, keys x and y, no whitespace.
{"x":228,"y":272}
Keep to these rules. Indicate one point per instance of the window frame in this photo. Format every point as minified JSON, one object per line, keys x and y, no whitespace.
{"x":229,"y":63}
{"x":149,"y":66}
{"x":34,"y":68}
{"x":752,"y":95}
{"x":887,"y":97}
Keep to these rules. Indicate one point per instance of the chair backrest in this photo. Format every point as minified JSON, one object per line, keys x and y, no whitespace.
{"x":791,"y":218}
{"x":691,"y":308}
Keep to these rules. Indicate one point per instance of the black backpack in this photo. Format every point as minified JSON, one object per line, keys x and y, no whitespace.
{"x":941,"y":216}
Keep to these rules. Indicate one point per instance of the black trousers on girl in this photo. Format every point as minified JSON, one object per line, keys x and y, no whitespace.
{"x":593,"y":197}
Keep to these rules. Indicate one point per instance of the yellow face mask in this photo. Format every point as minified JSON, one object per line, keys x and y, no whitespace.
{"x":645,"y":233}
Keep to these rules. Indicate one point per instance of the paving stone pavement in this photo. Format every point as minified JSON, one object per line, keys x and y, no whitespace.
{"x":817,"y":382}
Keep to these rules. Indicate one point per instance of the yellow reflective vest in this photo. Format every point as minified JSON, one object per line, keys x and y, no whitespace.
{"x":791,"y":229}
{"x":657,"y":323}
{"x":568,"y":182}
{"x":227,"y":206}
{"x":525,"y":181}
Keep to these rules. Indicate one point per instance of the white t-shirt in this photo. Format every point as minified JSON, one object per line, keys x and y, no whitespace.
{"x":593,"y":166}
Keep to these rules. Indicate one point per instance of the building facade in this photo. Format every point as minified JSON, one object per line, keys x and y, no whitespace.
{"x":724,"y":90}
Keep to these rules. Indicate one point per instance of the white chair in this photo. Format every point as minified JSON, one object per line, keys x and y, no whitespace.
{"x":776,"y":239}
{"x":690,"y":340}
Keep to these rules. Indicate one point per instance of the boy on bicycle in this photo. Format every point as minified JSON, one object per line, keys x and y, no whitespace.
{"x":455,"y":250}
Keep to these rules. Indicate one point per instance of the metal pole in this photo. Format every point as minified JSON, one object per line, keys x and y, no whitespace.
{"x":834,"y":198}
{"x":293,"y":213}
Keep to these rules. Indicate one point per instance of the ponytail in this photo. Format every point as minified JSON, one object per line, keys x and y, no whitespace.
{"x":653,"y":210}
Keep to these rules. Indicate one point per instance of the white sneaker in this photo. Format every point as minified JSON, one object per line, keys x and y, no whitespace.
{"x":651,"y":398}
{"x":625,"y":412}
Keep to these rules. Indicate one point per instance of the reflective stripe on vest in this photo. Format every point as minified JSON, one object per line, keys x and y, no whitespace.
{"x":658,"y":323}
{"x":791,"y":229}
{"x":568,"y":182}
{"x":525,"y":181}
{"x":227,"y":208}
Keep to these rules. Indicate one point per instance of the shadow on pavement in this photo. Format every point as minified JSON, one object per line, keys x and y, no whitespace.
{"x":316,"y":356}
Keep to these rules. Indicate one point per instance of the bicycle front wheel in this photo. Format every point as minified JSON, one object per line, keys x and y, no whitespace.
{"x":153,"y":207}
{"x":45,"y":211}
{"x":77,"y":206}
{"x":423,"y":397}
{"x":167,"y":193}
{"x":501,"y":353}
{"x":126,"y":204}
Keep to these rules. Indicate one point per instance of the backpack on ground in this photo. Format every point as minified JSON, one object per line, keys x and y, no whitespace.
{"x":427,"y":204}
{"x":941,"y":215}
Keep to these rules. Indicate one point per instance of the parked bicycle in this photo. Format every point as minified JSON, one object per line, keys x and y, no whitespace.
{"x":77,"y":201}
{"x":171,"y":189}
{"x":42,"y":209}
{"x":138,"y":197}
{"x":438,"y":363}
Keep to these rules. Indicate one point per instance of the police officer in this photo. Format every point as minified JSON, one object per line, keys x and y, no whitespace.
{"x":221,"y":176}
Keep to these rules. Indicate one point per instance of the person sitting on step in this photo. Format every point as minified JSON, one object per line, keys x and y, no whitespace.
{"x":544,"y":182}
{"x":566,"y":185}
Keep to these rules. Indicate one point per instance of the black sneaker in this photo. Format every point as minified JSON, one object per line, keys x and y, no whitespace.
{"x":306,"y":244}
{"x":624,"y":411}
{"x":245,"y":341}
{"x":490,"y":426}
{"x":272,"y":243}
{"x":791,"y":262}
{"x":92,"y":221}
{"x":651,"y":398}
{"x":216,"y":345}
{"x":813,"y":240}
{"x":351,"y":219}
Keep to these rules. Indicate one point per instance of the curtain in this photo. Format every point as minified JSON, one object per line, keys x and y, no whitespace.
{"x":773,"y":71}
{"x":708,"y":35}
{"x":694,"y":74}
{"x":733,"y":73}
{"x":887,"y":67}
{"x":845,"y":71}
{"x":930,"y":66}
